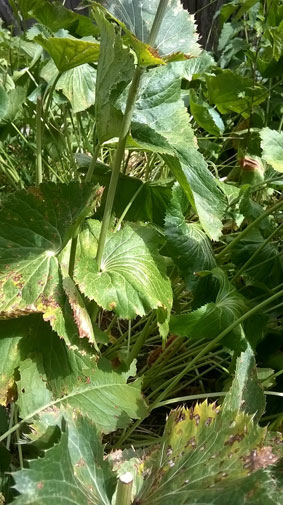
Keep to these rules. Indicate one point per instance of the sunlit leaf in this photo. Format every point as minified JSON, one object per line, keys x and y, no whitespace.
{"x":177,"y":37}
{"x":68,"y":52}
{"x":132,"y":280}
{"x":272,"y":148}
{"x":35,"y":227}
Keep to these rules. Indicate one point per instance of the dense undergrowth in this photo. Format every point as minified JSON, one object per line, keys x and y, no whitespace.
{"x":141,"y":255}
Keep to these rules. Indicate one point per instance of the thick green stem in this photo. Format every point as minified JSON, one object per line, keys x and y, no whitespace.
{"x":124,"y":489}
{"x":118,"y":162}
{"x":124,"y":133}
{"x":38,"y":142}
{"x":241,"y":235}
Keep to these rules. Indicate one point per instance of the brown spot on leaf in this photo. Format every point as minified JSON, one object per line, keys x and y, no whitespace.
{"x":260,"y":459}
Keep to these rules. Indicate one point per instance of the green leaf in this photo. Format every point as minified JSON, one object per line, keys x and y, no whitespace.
{"x":206,"y":457}
{"x":114,"y":71}
{"x":211,"y":319}
{"x":272,"y":148}
{"x":11,"y":333}
{"x":189,"y":246}
{"x":191,"y":68}
{"x":150,"y":198}
{"x":205,"y":116}
{"x":230,"y":91}
{"x":55,"y":16}
{"x":32,"y":390}
{"x":73,"y":379}
{"x":137,"y":19}
{"x":73,"y":471}
{"x":161,"y":124}
{"x":4,"y":103}
{"x":35,"y":227}
{"x":77,"y":84}
{"x":246,"y":393}
{"x":68,"y":52}
{"x":80,"y":312}
{"x":132,"y":280}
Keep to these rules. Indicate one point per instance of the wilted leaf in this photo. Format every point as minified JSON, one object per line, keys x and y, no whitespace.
{"x":209,"y":457}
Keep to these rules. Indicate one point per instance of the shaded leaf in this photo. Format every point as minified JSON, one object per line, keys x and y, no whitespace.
{"x":77,"y":84}
{"x":150,"y":198}
{"x":32,"y":389}
{"x":211,"y":319}
{"x":68,"y":53}
{"x":191,"y":249}
{"x":230,"y":91}
{"x":11,"y":333}
{"x":73,"y":471}
{"x":272,"y":148}
{"x":205,"y":116}
{"x":132,"y":280}
{"x":4,"y":103}
{"x":55,"y":16}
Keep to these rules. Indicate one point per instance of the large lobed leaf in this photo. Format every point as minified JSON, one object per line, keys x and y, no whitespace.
{"x":161,"y":124}
{"x":132,"y":280}
{"x":35,"y":227}
{"x":53,"y":378}
{"x":73,"y":471}
{"x":177,"y":37}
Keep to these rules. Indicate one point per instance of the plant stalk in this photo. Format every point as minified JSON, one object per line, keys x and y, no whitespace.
{"x":126,"y":124}
{"x":124,"y":489}
{"x":93,"y":161}
{"x":118,"y":162}
{"x":38,"y":142}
